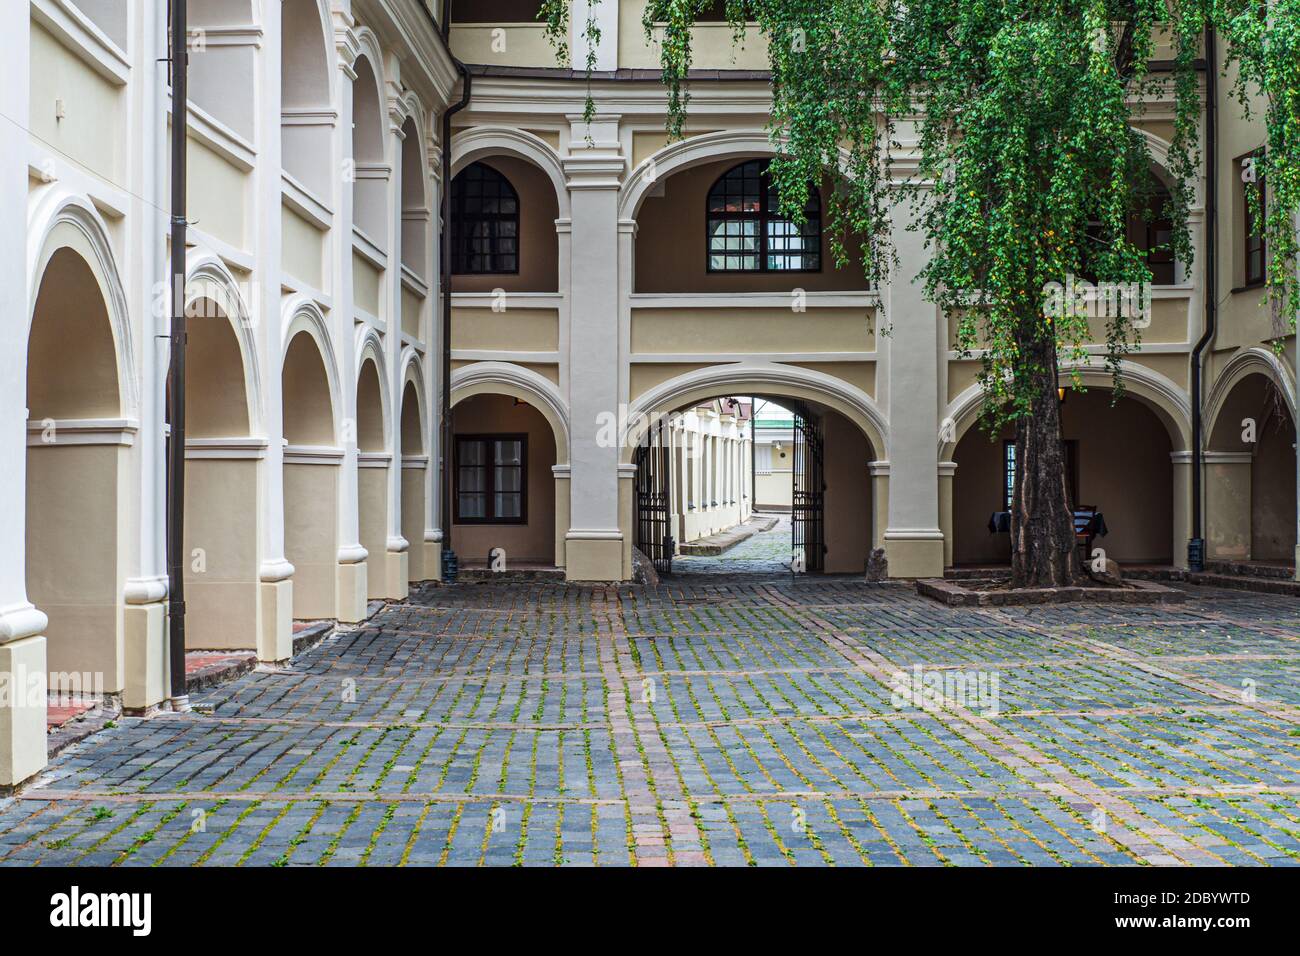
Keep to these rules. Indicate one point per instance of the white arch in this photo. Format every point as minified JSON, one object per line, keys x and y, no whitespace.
{"x":208,"y":277}
{"x":59,"y":208}
{"x":522,"y":383}
{"x":697,"y":151}
{"x":412,"y":111}
{"x":369,"y":347}
{"x":301,"y":314}
{"x":368,"y":47}
{"x":1156,"y":391}
{"x":412,"y":366}
{"x":484,"y":142}
{"x":1255,"y":360}
{"x":761,"y":378}
{"x":1160,"y":149}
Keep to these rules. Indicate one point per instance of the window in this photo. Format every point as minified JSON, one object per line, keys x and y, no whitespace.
{"x":1254,"y":207}
{"x":1160,"y":238}
{"x":484,"y":223}
{"x":491,"y":479}
{"x":746,"y":232}
{"x":1071,"y":448}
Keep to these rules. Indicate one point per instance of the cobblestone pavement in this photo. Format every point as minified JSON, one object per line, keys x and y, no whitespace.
{"x":713,"y":720}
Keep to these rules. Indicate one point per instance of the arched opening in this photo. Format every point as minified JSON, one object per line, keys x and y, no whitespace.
{"x":504,"y":487}
{"x":715,"y":462}
{"x":370,"y":180}
{"x":311,"y":479}
{"x":306,"y":113}
{"x":415,"y":465}
{"x":222,"y":487}
{"x":373,"y":460}
{"x":77,"y":446}
{"x":415,"y":205}
{"x":503,"y":235}
{"x":1250,"y":490}
{"x":222,"y":72}
{"x":714,"y":227}
{"x":1118,"y":461}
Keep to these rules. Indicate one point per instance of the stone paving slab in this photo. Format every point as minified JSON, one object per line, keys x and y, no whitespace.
{"x":719,"y":719}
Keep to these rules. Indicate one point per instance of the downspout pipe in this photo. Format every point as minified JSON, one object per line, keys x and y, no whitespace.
{"x":449,"y":562}
{"x":179,"y":53}
{"x":1196,"y":546}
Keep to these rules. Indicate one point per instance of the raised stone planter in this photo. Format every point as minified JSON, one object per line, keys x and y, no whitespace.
{"x":977,"y":592}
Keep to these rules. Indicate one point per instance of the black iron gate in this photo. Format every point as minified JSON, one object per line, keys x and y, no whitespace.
{"x":653,"y":503}
{"x":808,"y":517}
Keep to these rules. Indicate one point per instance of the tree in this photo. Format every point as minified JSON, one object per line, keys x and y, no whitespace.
{"x":1018,"y":116}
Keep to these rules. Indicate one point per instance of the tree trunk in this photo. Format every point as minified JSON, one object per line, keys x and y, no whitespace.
{"x":1043,"y":552}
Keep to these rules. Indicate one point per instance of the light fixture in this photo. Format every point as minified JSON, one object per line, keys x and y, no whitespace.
{"x":1060,"y":393}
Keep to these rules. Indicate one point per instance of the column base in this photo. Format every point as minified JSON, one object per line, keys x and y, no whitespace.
{"x":351,"y":591}
{"x":914,"y":554}
{"x":396,"y":570}
{"x":22,"y":710}
{"x":275,"y":626}
{"x":433,"y":560}
{"x":594,"y":559}
{"x":148,"y":659}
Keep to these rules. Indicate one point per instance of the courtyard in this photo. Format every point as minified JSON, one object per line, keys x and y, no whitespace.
{"x":734,"y":715}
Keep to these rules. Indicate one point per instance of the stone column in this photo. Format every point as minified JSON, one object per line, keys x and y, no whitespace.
{"x":433,"y":364}
{"x":879,"y":502}
{"x":1182,"y":499}
{"x":351,"y":573}
{"x":913,"y":539}
{"x":561,"y":473}
{"x":22,"y":647}
{"x":1227,"y":505}
{"x":946,"y":471}
{"x":146,"y":682}
{"x":594,"y":168}
{"x":275,"y":573}
{"x":396,"y":559}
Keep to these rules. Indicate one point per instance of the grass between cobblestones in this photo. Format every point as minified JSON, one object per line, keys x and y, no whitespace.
{"x":735,"y":715}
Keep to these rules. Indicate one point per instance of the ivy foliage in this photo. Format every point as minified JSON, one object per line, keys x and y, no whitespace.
{"x":1008,"y":133}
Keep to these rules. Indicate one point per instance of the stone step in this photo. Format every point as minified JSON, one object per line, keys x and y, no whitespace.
{"x":723,"y":541}
{"x":480,"y":574}
{"x":1240,"y":582}
{"x":1248,"y":569}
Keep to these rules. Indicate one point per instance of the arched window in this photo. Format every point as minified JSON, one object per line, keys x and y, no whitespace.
{"x":484,"y":222}
{"x":746,"y":232}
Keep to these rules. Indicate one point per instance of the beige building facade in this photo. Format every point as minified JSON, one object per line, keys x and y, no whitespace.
{"x":604,"y":279}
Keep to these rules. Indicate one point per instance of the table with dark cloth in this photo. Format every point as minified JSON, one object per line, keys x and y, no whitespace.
{"x":1000,"y":523}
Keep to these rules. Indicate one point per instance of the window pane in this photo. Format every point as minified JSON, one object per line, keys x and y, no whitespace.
{"x":471,"y":453}
{"x":508,"y":505}
{"x":509,"y":452}
{"x":485,"y":211}
{"x":471,"y":505}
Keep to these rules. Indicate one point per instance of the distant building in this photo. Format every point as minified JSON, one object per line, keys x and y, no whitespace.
{"x":773,"y":457}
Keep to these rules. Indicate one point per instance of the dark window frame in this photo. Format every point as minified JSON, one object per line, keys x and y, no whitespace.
{"x":1011,"y":460}
{"x":766,"y":213}
{"x":462,"y":239}
{"x":1253,"y":243}
{"x":489,"y":489}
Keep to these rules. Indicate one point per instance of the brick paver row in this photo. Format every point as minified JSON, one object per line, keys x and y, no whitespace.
{"x":721,"y":718}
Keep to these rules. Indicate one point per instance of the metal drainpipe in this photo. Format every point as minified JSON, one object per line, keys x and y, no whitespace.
{"x":449,"y":562}
{"x":1196,"y":546}
{"x":180,"y":700}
